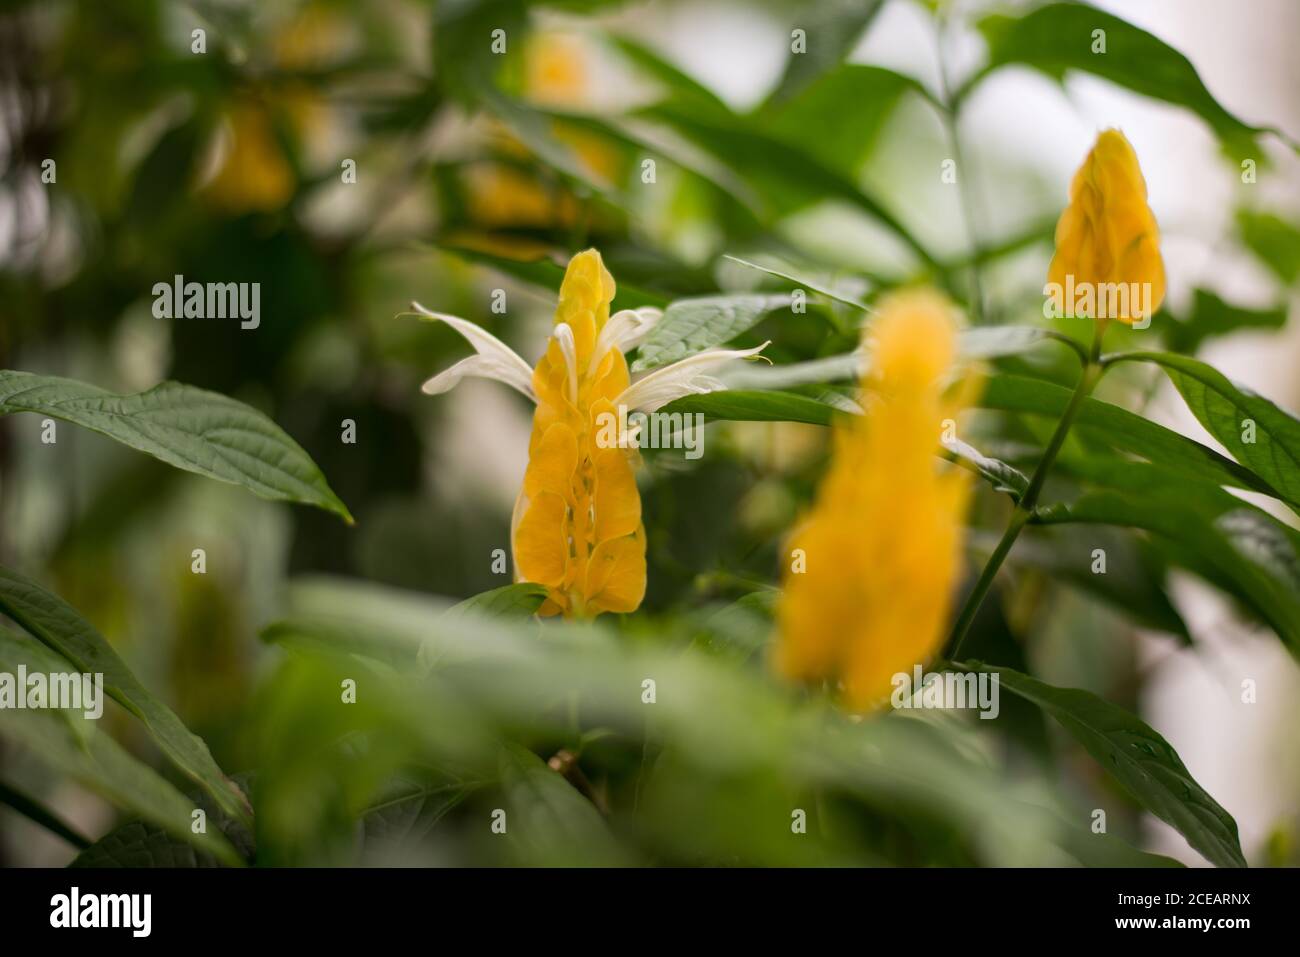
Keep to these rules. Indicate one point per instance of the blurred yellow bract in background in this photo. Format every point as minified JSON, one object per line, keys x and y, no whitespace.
{"x":871,"y":569}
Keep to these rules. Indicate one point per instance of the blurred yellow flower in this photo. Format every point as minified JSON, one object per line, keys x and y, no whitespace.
{"x":577,"y":521}
{"x":1107,"y":263}
{"x":256,"y":175}
{"x":872,"y":567}
{"x":499,"y":194}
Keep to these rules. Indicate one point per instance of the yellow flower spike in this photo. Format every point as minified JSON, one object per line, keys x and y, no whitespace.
{"x":577,"y":525}
{"x":872,"y":567}
{"x":1107,"y":263}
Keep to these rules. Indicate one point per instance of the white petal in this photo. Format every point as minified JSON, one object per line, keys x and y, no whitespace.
{"x":688,"y":376}
{"x":625,"y":330}
{"x":494,"y":359}
{"x":569,"y":346}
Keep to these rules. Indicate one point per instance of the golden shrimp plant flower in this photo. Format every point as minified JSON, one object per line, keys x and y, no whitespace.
{"x":872,"y":567}
{"x":577,"y":526}
{"x":1107,"y":263}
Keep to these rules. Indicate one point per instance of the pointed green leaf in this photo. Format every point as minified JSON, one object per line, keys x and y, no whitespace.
{"x":1120,"y":429}
{"x":1139,"y":758}
{"x":509,"y":601}
{"x":56,"y":624}
{"x":76,"y":746}
{"x":191,"y":429}
{"x":1259,"y":434}
{"x":1059,"y":37}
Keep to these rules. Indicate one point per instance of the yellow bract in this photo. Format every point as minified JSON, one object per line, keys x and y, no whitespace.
{"x":578,"y":524}
{"x":871,"y":569}
{"x":1107,"y":241}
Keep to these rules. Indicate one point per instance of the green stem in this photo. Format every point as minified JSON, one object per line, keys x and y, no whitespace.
{"x":1024,"y":510}
{"x":30,"y":809}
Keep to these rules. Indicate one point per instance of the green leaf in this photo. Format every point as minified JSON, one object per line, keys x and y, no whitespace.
{"x":1242,"y":550}
{"x":1258,"y":434}
{"x":137,"y":844}
{"x":142,"y":843}
{"x":789,"y":178}
{"x":1134,"y":583}
{"x":76,"y":746}
{"x":1211,"y":317}
{"x":993,"y":342}
{"x":191,"y":429}
{"x":817,"y":286}
{"x":689,"y":326}
{"x":1120,"y":429}
{"x":814,"y":119}
{"x":1058,"y":37}
{"x":742,"y":629}
{"x":548,"y":821}
{"x":509,"y":601}
{"x":408,"y":817}
{"x":56,"y":624}
{"x":832,"y":29}
{"x":685,"y":90}
{"x":1274,"y":240}
{"x":1139,"y":758}
{"x":753,"y":406}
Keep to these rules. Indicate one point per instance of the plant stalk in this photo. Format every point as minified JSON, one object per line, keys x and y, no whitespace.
{"x":1024,"y":510}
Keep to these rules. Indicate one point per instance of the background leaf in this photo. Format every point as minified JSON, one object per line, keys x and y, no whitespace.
{"x":1226,"y":409}
{"x":191,"y":429}
{"x":75,"y":745}
{"x":1058,"y":37}
{"x":56,"y":624}
{"x":1140,"y":759}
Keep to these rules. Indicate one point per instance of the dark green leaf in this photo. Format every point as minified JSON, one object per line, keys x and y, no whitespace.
{"x":1211,"y":317}
{"x":56,"y":624}
{"x":832,"y":29}
{"x":814,"y":119}
{"x":1274,"y":240}
{"x":1242,"y":550}
{"x":1140,"y":759}
{"x":1118,"y":428}
{"x":191,"y":429}
{"x":509,"y":601}
{"x":548,"y":821}
{"x":77,"y":746}
{"x":1059,"y":37}
{"x":743,"y":406}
